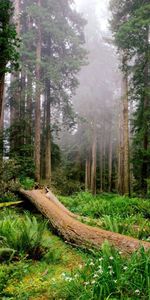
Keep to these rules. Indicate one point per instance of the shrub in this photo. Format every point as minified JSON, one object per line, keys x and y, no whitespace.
{"x":22,"y":237}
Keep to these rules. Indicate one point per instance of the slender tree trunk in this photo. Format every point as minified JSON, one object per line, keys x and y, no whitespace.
{"x":38,"y":104}
{"x":101,"y":163}
{"x":110,"y":162}
{"x":126,"y":132}
{"x":94,"y":161}
{"x":48,"y":136}
{"x":2,"y":82}
{"x":2,"y":131}
{"x":120,"y":185}
{"x":88,"y":173}
{"x":145,"y":163}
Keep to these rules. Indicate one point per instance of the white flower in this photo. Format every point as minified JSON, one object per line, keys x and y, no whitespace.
{"x":95,"y":275}
{"x":111,"y":258}
{"x":137,"y":292}
{"x":111,"y":272}
{"x":93,"y":282}
{"x":86,"y":283}
{"x":91,"y":263}
{"x":120,"y":252}
{"x":80,"y":266}
{"x":125,"y":268}
{"x":115,"y":281}
{"x":109,"y":267}
{"x":100,"y":259}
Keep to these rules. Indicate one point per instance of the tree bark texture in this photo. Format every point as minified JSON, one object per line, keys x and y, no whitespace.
{"x":38,"y":104}
{"x":77,"y":233}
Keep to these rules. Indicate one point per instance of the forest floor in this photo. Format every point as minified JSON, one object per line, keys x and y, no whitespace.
{"x":64,"y":272}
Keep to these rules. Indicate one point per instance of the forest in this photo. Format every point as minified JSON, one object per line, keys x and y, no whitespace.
{"x":74,"y":149}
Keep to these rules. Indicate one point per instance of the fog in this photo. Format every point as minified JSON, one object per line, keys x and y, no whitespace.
{"x":97,"y":98}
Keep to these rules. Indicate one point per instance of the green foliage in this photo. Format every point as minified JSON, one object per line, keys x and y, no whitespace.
{"x":111,"y":276}
{"x":27,"y":183}
{"x":64,"y":186}
{"x":107,"y":204}
{"x":21,"y":237}
{"x":8,"y":38}
{"x":9,"y":170}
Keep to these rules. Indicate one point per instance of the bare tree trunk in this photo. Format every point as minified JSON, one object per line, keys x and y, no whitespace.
{"x":2,"y":131}
{"x":38,"y":105}
{"x":77,"y":233}
{"x":145,"y":163}
{"x":94,"y":161}
{"x":48,"y":170}
{"x":120,"y":151}
{"x":126,"y":132}
{"x":2,"y":82}
{"x":101,"y":163}
{"x":110,"y":162}
{"x":88,"y":173}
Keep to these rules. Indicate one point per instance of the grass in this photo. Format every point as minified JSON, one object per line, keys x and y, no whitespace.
{"x":63,"y":272}
{"x":112,"y":212}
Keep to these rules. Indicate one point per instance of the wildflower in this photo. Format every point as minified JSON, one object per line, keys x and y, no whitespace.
{"x":120,"y":252}
{"x":63,"y":274}
{"x":137,"y":292}
{"x":125,"y":268}
{"x":95,"y":275}
{"x":86,"y":283}
{"x":111,"y":258}
{"x":111,"y":272}
{"x":91,"y":263}
{"x":93,"y":282}
{"x":115,"y":281}
{"x":109,"y":267}
{"x":80,"y":266}
{"x":100,"y":259}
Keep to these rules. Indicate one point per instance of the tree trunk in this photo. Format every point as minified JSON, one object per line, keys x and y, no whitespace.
{"x":38,"y":105}
{"x":110,"y":161}
{"x":2,"y":81}
{"x":76,"y":233}
{"x":94,"y":160}
{"x":145,"y":163}
{"x":88,"y":173}
{"x":126,"y":133}
{"x":2,"y":131}
{"x":120,"y":185}
{"x":48,"y":136}
{"x":101,"y":163}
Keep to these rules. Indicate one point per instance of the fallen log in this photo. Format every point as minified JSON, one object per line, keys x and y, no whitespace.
{"x":77,"y":233}
{"x":53,"y":199}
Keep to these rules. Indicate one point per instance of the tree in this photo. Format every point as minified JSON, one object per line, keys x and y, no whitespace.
{"x":8,"y":44}
{"x":130,"y":24}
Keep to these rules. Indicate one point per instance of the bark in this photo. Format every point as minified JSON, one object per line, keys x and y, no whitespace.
{"x":48,"y":137}
{"x":145,"y":163}
{"x":110,"y":161}
{"x":52,"y":197}
{"x":77,"y":233}
{"x":94,"y":160}
{"x":38,"y":105}
{"x":88,"y":173}
{"x":2,"y":131}
{"x":126,"y":134}
{"x":101,"y":164}
{"x":2,"y":81}
{"x":120,"y":187}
